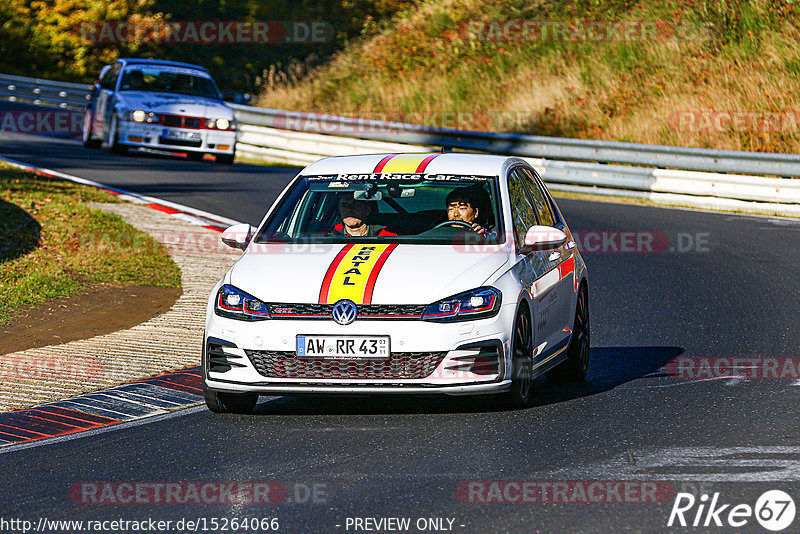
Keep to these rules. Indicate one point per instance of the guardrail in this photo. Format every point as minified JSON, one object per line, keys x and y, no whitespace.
{"x":697,"y":159}
{"x":38,"y":91}
{"x":696,"y":177}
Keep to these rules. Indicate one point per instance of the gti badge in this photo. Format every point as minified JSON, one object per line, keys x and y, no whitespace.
{"x":344,"y":311}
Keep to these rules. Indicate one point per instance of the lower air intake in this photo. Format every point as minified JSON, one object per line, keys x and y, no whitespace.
{"x":400,"y":365}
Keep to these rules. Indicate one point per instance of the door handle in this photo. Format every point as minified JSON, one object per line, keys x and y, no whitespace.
{"x":554,"y":256}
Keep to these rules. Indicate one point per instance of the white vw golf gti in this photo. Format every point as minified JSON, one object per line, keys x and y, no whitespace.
{"x":402,"y":273}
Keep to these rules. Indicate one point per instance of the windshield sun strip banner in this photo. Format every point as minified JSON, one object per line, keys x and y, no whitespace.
{"x":382,"y":163}
{"x":396,"y":176}
{"x":415,"y":163}
{"x":148,"y":68}
{"x":353,"y":273}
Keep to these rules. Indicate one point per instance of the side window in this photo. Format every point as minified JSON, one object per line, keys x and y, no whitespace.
{"x":523,"y":215}
{"x":109,"y":81}
{"x":539,"y":198}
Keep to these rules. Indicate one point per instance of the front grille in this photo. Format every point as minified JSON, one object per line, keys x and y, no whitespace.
{"x":179,"y":121}
{"x":172,"y":120}
{"x":191,"y":122}
{"x":400,"y":365}
{"x":365,"y":311}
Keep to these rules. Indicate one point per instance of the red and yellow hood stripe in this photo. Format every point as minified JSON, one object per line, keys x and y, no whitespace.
{"x":353,"y":273}
{"x":404,"y":163}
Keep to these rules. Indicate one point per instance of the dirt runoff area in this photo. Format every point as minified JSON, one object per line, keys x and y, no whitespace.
{"x":94,"y":312}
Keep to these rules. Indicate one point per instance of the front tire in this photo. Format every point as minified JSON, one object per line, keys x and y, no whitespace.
{"x":521,"y":393}
{"x":576,"y":366}
{"x":113,"y":137}
{"x":219,"y":402}
{"x":86,"y":134}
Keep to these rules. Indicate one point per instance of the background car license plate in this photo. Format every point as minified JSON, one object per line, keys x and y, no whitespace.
{"x":343,"y":346}
{"x":183,"y":136}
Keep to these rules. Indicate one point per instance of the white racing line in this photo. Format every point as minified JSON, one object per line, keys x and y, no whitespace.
{"x":186,"y":213}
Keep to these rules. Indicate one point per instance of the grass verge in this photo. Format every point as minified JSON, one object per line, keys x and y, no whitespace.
{"x":53,"y":245}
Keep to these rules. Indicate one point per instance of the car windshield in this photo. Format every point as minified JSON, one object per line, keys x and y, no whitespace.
{"x":168,"y":79}
{"x":400,"y":208}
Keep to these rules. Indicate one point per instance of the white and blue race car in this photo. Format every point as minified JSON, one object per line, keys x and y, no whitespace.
{"x":160,"y":105}
{"x":400,"y":273}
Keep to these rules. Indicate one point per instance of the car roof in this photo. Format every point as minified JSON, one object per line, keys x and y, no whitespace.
{"x":439,"y":163}
{"x":136,"y":61}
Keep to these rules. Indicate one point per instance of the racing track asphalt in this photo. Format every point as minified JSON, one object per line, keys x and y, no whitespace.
{"x":379,"y":457}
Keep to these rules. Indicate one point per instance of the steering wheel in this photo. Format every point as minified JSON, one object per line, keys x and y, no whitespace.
{"x":455,"y":224}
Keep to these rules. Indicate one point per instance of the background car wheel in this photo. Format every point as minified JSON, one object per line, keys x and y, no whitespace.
{"x":575,"y":367}
{"x":225,"y":159}
{"x":219,"y":402}
{"x":113,"y":137}
{"x":520,"y":395}
{"x":86,"y":137}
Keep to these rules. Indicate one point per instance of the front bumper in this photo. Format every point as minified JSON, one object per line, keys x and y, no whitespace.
{"x":146,"y":135}
{"x":474,"y":357}
{"x":385,"y":389}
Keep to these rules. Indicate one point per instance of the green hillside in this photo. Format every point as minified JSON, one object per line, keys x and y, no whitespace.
{"x":723,"y":74}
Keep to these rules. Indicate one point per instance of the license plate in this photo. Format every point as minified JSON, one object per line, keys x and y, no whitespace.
{"x":366,"y":347}
{"x":181,"y":135}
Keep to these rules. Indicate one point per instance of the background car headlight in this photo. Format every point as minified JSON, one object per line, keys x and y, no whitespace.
{"x":221,"y":124}
{"x":139,"y":115}
{"x":236,"y":304}
{"x":476,"y":304}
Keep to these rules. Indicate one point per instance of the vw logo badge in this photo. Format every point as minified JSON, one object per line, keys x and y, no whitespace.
{"x":344,"y":311}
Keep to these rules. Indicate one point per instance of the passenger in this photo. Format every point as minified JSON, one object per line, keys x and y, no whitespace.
{"x":354,"y":214}
{"x":463,"y":205}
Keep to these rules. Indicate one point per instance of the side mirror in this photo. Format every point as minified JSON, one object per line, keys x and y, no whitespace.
{"x":94,"y":90}
{"x":544,"y":238}
{"x":237,"y":236}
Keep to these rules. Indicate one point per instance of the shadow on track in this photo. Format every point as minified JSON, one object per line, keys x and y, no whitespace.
{"x":19,"y":232}
{"x":610,"y":367}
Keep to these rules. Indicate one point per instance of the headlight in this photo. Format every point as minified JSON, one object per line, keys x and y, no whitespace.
{"x":236,"y":304}
{"x":221,"y":124}
{"x":142,"y":116}
{"x":476,"y":304}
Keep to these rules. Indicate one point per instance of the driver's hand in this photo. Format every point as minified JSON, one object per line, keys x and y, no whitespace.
{"x":477,"y":228}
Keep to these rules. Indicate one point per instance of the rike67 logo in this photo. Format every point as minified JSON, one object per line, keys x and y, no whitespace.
{"x":774,"y":510}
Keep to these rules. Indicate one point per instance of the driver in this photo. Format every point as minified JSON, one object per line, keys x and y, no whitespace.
{"x":354,"y":214}
{"x":462,"y":205}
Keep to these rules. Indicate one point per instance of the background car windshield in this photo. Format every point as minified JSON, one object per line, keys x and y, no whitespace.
{"x":409,"y":211}
{"x":167,"y":80}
